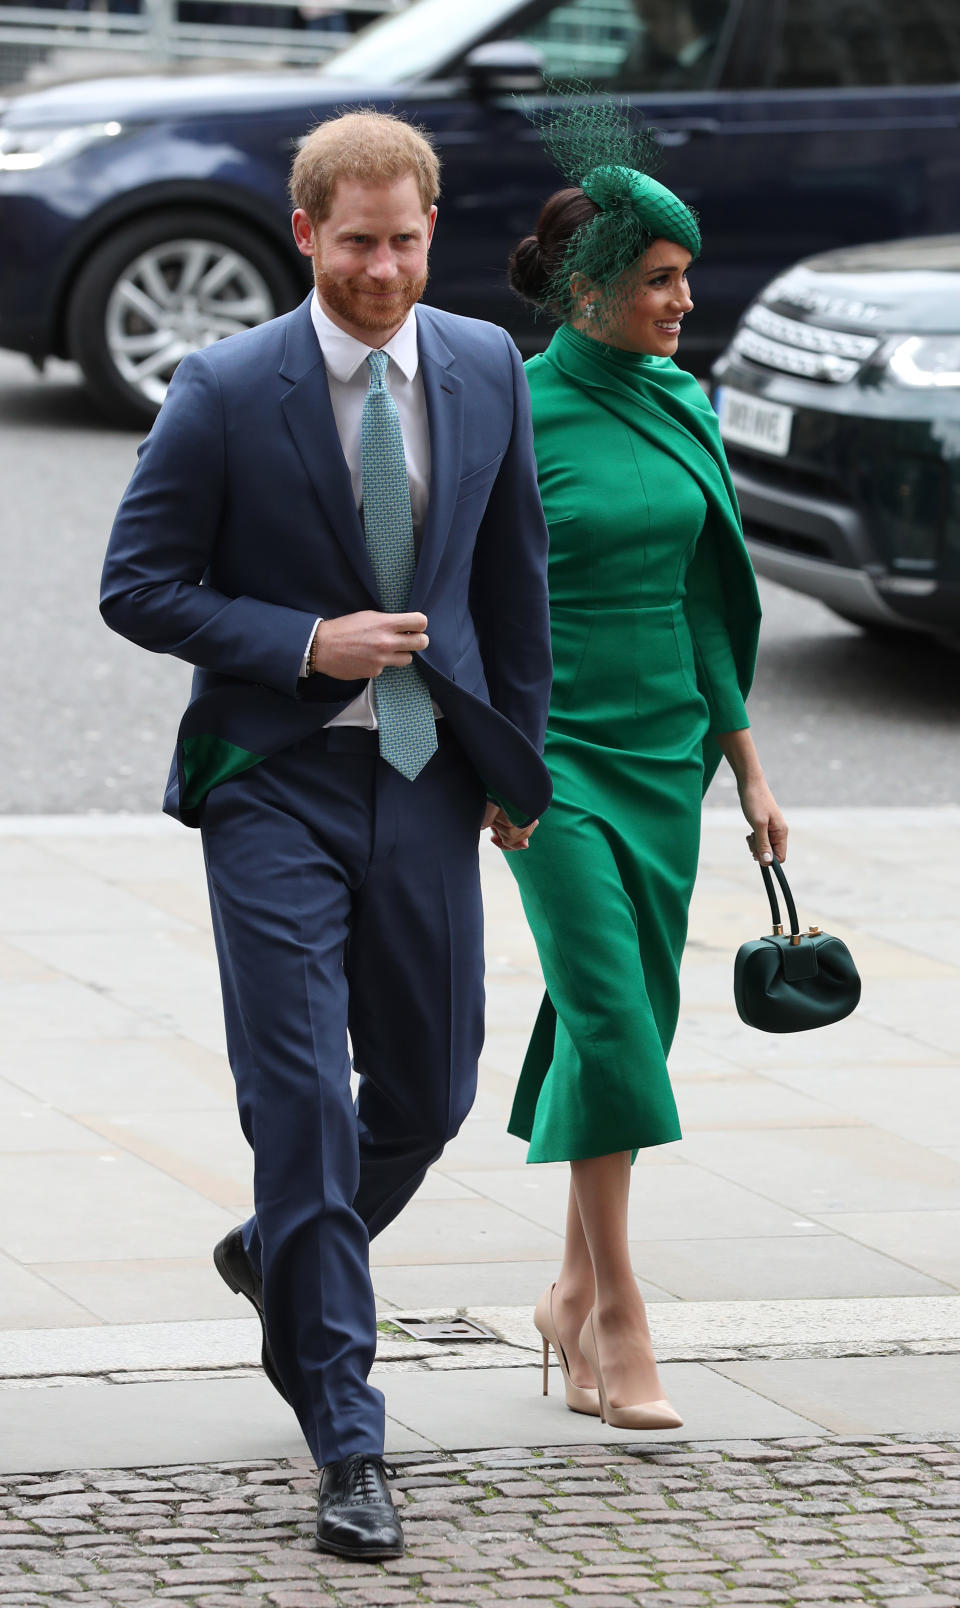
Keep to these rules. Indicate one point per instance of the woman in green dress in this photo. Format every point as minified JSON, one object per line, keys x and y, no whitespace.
{"x":655,"y":615}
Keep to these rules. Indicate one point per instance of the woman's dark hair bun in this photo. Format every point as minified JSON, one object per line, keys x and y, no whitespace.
{"x":537,"y":263}
{"x":527,"y":272}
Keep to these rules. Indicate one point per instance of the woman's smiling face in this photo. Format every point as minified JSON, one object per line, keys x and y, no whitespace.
{"x":650,"y":301}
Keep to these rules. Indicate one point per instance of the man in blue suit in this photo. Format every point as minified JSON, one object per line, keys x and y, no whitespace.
{"x":336,"y":520}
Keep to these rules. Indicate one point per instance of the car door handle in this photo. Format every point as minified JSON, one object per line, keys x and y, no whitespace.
{"x":681,"y":136}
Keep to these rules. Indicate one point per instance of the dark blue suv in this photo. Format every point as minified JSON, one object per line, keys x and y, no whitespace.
{"x":143,"y":217}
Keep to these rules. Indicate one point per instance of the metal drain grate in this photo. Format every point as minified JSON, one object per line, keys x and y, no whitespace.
{"x":451,"y":1329}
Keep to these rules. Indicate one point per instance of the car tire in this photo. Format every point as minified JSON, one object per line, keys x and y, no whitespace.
{"x":172,"y":282}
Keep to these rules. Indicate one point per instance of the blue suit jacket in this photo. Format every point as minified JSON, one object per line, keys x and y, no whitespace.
{"x":239,"y":528}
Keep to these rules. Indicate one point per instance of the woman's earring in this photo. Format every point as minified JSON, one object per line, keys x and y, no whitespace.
{"x":590,"y":310}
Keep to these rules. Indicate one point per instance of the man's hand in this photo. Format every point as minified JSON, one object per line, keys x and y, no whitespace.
{"x":355,"y":647}
{"x":504,"y":834}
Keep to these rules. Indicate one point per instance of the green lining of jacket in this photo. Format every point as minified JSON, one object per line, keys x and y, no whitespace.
{"x":208,"y":761}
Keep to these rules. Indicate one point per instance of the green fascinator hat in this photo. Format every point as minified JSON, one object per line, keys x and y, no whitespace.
{"x":661,"y":212}
{"x":598,"y":148}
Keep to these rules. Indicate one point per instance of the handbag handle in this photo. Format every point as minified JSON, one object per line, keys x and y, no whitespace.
{"x":768,"y":873}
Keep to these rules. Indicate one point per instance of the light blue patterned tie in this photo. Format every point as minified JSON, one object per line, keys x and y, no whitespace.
{"x":408,"y":730}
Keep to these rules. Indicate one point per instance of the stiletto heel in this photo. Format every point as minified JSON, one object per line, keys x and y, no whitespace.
{"x":579,"y":1399}
{"x":644,"y":1415}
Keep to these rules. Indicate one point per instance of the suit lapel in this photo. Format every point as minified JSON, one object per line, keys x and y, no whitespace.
{"x":444,"y":397}
{"x":309,"y":415}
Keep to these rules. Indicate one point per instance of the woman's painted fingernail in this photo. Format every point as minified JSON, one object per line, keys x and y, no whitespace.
{"x":767,"y":857}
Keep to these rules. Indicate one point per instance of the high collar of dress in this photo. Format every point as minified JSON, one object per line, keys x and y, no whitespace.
{"x":343,"y":354}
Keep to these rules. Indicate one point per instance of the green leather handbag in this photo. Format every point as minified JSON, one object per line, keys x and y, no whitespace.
{"x":789,"y":982}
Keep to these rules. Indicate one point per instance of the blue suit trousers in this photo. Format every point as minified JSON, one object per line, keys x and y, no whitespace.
{"x":345,"y":899}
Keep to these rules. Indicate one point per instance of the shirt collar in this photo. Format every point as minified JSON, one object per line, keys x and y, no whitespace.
{"x":343,"y":354}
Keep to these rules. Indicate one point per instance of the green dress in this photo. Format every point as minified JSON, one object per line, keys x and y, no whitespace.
{"x":654,"y":619}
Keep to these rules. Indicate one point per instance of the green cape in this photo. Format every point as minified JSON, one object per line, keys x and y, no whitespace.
{"x":668,"y":407}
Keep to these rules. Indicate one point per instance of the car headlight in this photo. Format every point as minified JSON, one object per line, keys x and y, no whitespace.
{"x":926,"y":360}
{"x":24,"y":148}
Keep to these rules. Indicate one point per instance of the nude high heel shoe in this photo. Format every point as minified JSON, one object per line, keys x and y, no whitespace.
{"x":579,"y":1399}
{"x":645,"y":1415}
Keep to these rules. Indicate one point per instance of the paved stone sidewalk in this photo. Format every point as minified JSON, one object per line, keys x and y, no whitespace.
{"x":791,"y":1523}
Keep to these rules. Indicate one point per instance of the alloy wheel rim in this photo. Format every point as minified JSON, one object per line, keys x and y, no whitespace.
{"x":175,"y":298}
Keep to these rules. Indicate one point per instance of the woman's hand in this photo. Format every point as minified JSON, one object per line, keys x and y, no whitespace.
{"x":768,"y":836}
{"x":504,"y":834}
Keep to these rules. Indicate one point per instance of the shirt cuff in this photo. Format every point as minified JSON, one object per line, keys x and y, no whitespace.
{"x":305,"y":661}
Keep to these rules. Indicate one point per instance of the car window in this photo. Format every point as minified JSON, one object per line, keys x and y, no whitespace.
{"x":632,"y":44}
{"x":836,"y":44}
{"x":419,"y":40}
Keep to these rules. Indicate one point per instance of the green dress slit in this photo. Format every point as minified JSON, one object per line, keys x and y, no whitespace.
{"x":654,"y":617}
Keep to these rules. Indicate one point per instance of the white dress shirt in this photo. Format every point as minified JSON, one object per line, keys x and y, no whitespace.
{"x":348,"y":376}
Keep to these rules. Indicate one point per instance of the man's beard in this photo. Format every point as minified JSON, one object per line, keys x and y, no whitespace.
{"x":346,"y":297}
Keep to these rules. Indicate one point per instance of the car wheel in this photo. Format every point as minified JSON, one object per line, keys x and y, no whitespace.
{"x":167,"y":285}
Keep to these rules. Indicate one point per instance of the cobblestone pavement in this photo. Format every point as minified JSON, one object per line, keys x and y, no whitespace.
{"x":785,"y":1522}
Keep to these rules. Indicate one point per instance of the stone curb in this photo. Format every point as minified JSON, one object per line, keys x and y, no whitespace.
{"x":707,"y":1331}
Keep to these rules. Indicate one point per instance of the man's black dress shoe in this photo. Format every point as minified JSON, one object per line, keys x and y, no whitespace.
{"x":235,"y":1268}
{"x":355,"y":1515}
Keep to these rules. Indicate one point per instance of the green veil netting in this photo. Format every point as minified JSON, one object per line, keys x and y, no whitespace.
{"x":593,"y":142}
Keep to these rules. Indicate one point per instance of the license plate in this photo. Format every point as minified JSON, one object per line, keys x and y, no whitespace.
{"x":748,"y":422}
